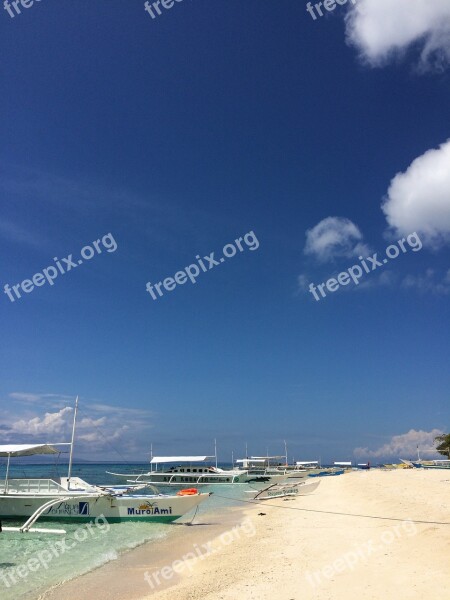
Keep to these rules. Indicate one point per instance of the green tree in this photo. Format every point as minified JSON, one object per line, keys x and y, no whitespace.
{"x":443,"y":446}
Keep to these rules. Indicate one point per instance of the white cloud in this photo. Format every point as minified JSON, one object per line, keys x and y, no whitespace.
{"x":24,"y":397}
{"x":51,"y":423}
{"x":88,"y":422}
{"x":335,"y":237}
{"x":303,"y":283}
{"x":404,"y":446}
{"x":32,"y":397}
{"x":97,"y":440}
{"x":419,"y":199}
{"x":428,"y":282}
{"x":112,"y":432}
{"x":383,"y":30}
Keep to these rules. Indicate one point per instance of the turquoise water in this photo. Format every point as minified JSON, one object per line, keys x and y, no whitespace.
{"x":39,"y":561}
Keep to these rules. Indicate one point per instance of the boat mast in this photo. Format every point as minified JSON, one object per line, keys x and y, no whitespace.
{"x":215,"y":450}
{"x":7,"y":473}
{"x":151,"y":458}
{"x":73,"y":438}
{"x":285,"y":452}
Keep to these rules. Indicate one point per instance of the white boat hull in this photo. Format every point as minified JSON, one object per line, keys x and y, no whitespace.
{"x":281,"y":490}
{"x":112,"y":508}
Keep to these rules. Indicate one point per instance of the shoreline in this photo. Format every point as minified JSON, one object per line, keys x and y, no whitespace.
{"x":180,"y":540}
{"x":360,"y":535}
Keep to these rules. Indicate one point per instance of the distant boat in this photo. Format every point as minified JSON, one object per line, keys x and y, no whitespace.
{"x":431,"y":464}
{"x":185,"y":470}
{"x":268,"y":468}
{"x":427,"y":464}
{"x":327,"y":473}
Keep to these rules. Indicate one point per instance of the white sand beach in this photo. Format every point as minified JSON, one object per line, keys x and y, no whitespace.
{"x":372,"y":535}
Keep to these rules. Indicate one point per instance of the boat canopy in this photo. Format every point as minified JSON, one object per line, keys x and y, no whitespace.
{"x":265,"y":457}
{"x":343,"y":464}
{"x":307,"y":462}
{"x":14,"y":450}
{"x":178,"y":459}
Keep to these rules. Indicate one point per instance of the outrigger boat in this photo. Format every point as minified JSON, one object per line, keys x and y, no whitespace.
{"x":431,"y":464}
{"x":288,"y":488}
{"x":72,"y":499}
{"x":185,"y":470}
{"x":262,"y":468}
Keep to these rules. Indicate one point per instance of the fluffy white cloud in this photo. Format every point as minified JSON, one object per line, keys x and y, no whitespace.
{"x":385,"y":29}
{"x":335,"y":237}
{"x":419,"y":199}
{"x":404,"y":446}
{"x":51,"y":423}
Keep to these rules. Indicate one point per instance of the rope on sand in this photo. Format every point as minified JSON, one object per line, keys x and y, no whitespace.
{"x":329,"y":512}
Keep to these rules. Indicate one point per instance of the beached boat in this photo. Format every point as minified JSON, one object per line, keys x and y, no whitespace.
{"x":308,"y":465}
{"x":431,"y":464}
{"x":439,"y":463}
{"x":185,"y":471}
{"x":73,"y":499}
{"x":288,"y":488}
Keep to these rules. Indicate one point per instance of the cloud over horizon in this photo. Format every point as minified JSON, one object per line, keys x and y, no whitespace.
{"x":99,"y":426}
{"x":404,"y":446}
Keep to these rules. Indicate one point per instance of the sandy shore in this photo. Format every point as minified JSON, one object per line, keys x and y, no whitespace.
{"x":372,"y":535}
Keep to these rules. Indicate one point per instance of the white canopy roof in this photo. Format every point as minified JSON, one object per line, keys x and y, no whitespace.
{"x":343,"y":464}
{"x":265,"y":457}
{"x":26,"y":449}
{"x":178,"y":459}
{"x":307,"y":462}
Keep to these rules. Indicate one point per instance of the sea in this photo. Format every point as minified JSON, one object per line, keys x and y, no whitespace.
{"x":60,"y":558}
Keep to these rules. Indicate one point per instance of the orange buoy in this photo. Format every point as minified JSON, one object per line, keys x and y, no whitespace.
{"x":188,"y":492}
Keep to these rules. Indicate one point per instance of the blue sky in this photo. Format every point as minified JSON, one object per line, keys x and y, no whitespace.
{"x":178,"y":135}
